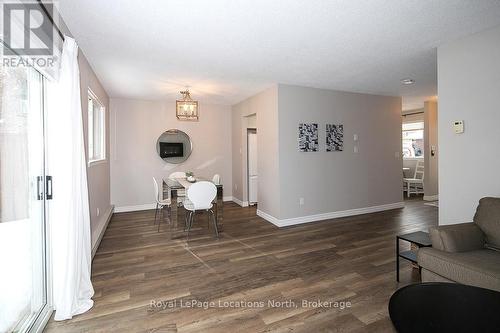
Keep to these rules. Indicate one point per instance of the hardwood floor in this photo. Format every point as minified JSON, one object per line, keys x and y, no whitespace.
{"x":343,"y":260}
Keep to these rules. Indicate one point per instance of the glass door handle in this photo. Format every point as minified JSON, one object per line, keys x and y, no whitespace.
{"x":48,"y":187}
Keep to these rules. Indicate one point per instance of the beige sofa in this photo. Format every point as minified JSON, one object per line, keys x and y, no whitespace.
{"x":467,"y":253}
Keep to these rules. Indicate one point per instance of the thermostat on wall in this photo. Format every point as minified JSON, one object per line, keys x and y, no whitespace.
{"x":458,"y":126}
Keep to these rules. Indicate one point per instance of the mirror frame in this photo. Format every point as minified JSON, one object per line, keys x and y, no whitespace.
{"x":174,"y":131}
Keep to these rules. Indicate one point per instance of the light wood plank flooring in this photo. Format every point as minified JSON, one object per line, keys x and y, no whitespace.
{"x":349,"y":259}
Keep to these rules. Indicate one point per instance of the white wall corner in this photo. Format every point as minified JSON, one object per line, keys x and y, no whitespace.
{"x":239,"y":202}
{"x":100,"y":233}
{"x":326,"y":216}
{"x":268,"y":218}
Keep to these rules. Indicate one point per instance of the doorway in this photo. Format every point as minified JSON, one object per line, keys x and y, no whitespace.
{"x":252,"y":172}
{"x":24,"y":304}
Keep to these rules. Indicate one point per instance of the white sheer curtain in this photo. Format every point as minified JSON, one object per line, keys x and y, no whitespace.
{"x":69,"y":214}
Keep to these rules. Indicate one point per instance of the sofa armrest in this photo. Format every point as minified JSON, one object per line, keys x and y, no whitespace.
{"x":457,"y":237}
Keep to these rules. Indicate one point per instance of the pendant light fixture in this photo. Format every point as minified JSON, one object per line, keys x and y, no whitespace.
{"x":186,"y":108}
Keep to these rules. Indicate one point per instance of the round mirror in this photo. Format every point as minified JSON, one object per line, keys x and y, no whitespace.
{"x":174,"y":146}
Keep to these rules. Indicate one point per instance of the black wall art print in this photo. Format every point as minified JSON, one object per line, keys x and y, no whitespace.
{"x":308,"y":137}
{"x":334,"y":137}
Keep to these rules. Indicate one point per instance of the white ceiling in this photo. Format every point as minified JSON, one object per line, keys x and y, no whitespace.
{"x":227,"y":50}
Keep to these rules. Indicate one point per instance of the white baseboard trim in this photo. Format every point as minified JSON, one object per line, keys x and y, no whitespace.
{"x":431,"y":197}
{"x":124,"y":209}
{"x":239,"y":202}
{"x":107,"y":216}
{"x":327,"y":216}
{"x":134,"y":208}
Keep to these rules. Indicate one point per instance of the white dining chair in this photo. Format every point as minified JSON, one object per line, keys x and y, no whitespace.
{"x":216,"y":179}
{"x":160,"y":203}
{"x":200,"y":196}
{"x":176,"y":175}
{"x":416,"y":184}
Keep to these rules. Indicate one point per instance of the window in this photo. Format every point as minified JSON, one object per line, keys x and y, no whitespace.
{"x":413,"y":140}
{"x":97,"y":129}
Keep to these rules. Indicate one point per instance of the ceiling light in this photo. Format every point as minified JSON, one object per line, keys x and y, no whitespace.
{"x":187,"y":108}
{"x":407,"y":81}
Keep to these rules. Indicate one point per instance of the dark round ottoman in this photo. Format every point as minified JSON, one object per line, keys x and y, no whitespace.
{"x":445,"y":307}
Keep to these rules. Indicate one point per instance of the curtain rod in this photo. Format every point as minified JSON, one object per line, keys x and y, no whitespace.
{"x":51,"y":19}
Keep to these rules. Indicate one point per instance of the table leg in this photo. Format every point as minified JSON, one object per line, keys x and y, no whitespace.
{"x":173,"y":204}
{"x":397,"y":259}
{"x":174,"y":218}
{"x":219,"y":209}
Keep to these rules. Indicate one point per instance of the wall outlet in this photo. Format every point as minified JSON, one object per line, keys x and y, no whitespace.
{"x":355,"y":137}
{"x":98,"y":212}
{"x":356,"y":150}
{"x":301,"y":201}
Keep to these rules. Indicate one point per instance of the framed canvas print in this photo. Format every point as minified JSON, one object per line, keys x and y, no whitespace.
{"x":308,"y":137}
{"x":334,"y":137}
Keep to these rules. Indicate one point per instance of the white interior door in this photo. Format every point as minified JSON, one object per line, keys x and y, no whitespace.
{"x":23,"y":281}
{"x":252,"y":167}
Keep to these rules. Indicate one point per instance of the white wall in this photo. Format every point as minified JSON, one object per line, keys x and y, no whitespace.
{"x":468,"y":88}
{"x":265,"y":106}
{"x":333,"y":182}
{"x":135,"y":127}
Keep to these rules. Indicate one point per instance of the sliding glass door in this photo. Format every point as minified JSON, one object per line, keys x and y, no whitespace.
{"x":23,"y":244}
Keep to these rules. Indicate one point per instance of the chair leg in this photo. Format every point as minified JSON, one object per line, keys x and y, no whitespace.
{"x":208,"y":220}
{"x":215,"y":224}
{"x":161,"y":218}
{"x":408,"y":187}
{"x":190,"y":223}
{"x":156,"y":213}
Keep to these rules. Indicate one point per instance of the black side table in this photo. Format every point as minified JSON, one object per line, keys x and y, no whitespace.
{"x":419,"y":238}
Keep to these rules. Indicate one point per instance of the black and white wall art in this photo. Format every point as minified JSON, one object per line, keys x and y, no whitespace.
{"x":308,"y":137}
{"x":334,"y":137}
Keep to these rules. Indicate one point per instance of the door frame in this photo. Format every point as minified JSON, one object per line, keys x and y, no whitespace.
{"x":250,"y":130}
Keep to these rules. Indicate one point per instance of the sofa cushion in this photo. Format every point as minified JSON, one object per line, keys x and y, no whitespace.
{"x":487,"y":218}
{"x":457,"y":237}
{"x":479,"y":268}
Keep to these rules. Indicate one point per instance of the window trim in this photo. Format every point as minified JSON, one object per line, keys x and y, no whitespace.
{"x":92,"y":162}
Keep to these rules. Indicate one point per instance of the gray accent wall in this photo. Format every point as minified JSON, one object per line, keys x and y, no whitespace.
{"x":98,"y":174}
{"x":135,"y":128}
{"x":468,"y":88}
{"x":340,"y":180}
